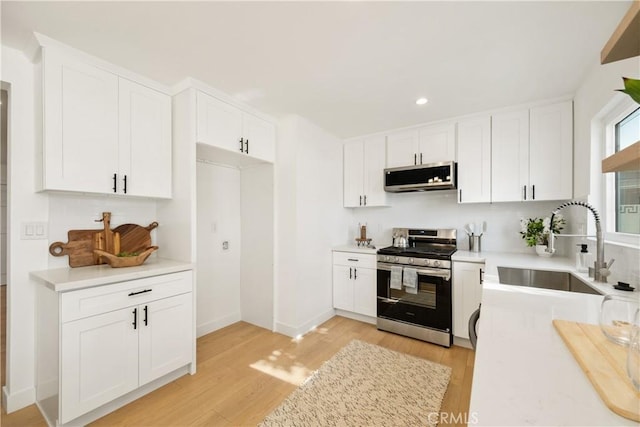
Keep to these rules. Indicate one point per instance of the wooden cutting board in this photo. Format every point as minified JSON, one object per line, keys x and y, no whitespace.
{"x":81,"y":243}
{"x":79,"y":247}
{"x":604,"y":363}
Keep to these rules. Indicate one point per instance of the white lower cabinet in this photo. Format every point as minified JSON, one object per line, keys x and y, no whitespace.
{"x":354,"y":282}
{"x":113,"y":339}
{"x":467,"y":294}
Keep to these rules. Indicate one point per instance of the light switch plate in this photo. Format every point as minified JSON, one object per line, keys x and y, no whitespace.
{"x":34,"y":231}
{"x":225,"y":245}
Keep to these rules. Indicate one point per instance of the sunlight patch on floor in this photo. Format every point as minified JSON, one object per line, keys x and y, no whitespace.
{"x":296,"y":374}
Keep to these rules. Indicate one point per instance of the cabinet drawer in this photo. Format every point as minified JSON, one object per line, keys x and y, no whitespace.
{"x":102,"y":299}
{"x":352,"y":259}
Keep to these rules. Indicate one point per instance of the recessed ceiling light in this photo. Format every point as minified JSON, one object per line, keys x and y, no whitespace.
{"x":421,"y":101}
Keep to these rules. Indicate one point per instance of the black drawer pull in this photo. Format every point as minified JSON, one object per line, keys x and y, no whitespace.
{"x":140,"y":292}
{"x":352,"y":259}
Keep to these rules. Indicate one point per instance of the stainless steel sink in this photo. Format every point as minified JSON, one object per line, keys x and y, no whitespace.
{"x":557,"y":280}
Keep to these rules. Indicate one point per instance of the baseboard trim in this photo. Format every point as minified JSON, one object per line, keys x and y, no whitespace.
{"x":214,"y":325}
{"x":356,"y":316}
{"x":15,"y":401}
{"x":296,"y":331}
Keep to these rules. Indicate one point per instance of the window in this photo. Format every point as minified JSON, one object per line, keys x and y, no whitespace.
{"x":626,"y":209}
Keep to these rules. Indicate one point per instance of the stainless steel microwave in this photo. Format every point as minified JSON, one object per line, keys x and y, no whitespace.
{"x":434,"y":176}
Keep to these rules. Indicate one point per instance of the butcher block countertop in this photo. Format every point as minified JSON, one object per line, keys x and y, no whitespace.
{"x":71,"y":279}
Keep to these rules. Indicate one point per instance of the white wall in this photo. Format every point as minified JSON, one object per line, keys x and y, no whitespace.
{"x":438,"y":209}
{"x":218,"y":220}
{"x":23,"y":205}
{"x":257,"y":263}
{"x":310,"y":220}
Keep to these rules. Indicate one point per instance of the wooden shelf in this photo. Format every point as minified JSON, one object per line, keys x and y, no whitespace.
{"x":625,"y":40}
{"x":625,"y":160}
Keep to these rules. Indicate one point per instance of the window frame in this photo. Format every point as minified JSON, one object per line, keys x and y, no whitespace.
{"x":608,"y":180}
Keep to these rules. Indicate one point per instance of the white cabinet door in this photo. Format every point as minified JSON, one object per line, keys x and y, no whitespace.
{"x":374,"y":163}
{"x":437,"y":144}
{"x":259,"y":138}
{"x":510,"y":156}
{"x":402,"y":149}
{"x":219,"y":124}
{"x":343,"y":287}
{"x":467,"y":294}
{"x":145,"y":141}
{"x":80,"y":125}
{"x":364,"y":291}
{"x":474,"y":160}
{"x":551,"y":152}
{"x":353,"y":174}
{"x":99,"y":361}
{"x":166,"y":341}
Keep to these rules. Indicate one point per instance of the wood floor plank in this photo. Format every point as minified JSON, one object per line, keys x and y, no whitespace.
{"x":244,"y":372}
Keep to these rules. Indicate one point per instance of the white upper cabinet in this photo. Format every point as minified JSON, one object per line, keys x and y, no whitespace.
{"x":364,"y":163}
{"x":145,"y":140}
{"x":402,"y":149}
{"x":551,"y":151}
{"x":430,"y":144}
{"x":80,"y":125}
{"x":532,"y":154}
{"x":437,"y":144}
{"x":224,"y":126}
{"x":510,"y":156}
{"x":474,"y":160}
{"x":103,"y":133}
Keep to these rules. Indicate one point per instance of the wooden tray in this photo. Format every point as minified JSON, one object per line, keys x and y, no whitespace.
{"x":605,"y":364}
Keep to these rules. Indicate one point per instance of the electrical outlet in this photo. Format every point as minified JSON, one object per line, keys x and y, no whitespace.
{"x":225,"y":245}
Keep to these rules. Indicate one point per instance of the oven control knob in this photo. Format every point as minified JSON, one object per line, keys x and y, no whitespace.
{"x":410,"y":260}
{"x":436,"y":263}
{"x":396,"y":259}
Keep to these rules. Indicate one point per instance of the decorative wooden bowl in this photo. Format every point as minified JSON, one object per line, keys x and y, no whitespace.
{"x":116,"y":261}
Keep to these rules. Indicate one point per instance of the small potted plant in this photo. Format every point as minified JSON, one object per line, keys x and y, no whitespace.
{"x":535,"y":232}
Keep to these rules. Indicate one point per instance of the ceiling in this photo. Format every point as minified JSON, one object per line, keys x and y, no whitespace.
{"x":351,"y":67}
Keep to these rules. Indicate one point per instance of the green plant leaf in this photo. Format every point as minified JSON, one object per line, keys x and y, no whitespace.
{"x":631,"y":88}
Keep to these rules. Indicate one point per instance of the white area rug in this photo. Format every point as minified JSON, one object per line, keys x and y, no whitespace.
{"x":366,"y":385}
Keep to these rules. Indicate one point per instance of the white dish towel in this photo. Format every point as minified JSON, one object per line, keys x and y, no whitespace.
{"x":396,"y":277}
{"x":410,"y":280}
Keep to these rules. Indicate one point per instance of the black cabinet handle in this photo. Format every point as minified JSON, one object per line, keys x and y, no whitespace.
{"x":350,"y":273}
{"x":125,"y":184}
{"x":246,"y":146}
{"x":460,"y":196}
{"x":420,"y":158}
{"x":481,"y":276}
{"x":415,"y":159}
{"x":355,"y":274}
{"x":525,"y":193}
{"x":140,"y":292}
{"x":135,"y":318}
{"x":360,"y":200}
{"x":242,"y":145}
{"x":115,"y":182}
{"x":533,"y":192}
{"x":146,"y":310}
{"x":365,"y":200}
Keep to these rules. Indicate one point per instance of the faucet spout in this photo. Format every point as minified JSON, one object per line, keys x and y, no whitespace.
{"x":599,"y":264}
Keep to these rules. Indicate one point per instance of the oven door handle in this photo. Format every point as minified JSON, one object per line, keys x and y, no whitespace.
{"x":389,"y":300}
{"x":445,"y":274}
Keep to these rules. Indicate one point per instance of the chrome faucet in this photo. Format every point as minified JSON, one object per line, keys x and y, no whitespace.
{"x":601,"y":269}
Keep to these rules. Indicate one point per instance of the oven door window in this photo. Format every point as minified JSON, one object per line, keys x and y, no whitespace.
{"x":426,"y":295}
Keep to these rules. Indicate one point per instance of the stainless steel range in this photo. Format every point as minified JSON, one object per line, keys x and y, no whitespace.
{"x":414,"y":284}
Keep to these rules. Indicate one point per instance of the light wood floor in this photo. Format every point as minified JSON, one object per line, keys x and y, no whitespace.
{"x":228,"y":391}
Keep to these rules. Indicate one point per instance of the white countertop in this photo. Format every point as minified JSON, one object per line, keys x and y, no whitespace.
{"x":524,"y":373}
{"x":70,"y":279}
{"x":355,"y":249}
{"x":493,"y":260}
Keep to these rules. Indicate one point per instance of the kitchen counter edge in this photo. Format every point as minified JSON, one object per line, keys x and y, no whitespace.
{"x":70,"y":279}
